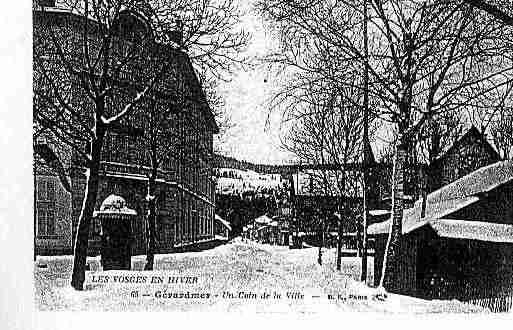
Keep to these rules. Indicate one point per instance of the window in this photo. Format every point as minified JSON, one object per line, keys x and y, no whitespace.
{"x":160,"y":234}
{"x":45,"y":220}
{"x":200,"y":222}
{"x":204,"y":222}
{"x":46,"y":191}
{"x":119,"y":148}
{"x":124,"y":156}
{"x":45,"y":207}
{"x":186,"y":222}
{"x":95,"y":228}
{"x":179,"y":227}
{"x":161,"y":201}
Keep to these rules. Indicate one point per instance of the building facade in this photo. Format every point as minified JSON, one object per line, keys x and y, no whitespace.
{"x":185,"y":190}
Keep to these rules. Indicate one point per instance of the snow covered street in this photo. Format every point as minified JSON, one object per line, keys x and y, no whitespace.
{"x":239,"y":276}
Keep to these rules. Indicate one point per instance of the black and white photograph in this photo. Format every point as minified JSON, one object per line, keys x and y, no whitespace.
{"x":271,"y":157}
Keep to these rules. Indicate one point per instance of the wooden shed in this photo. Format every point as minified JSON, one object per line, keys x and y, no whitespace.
{"x":462,"y":246}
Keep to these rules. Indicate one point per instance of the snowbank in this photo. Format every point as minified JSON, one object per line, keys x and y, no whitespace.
{"x":292,"y":279}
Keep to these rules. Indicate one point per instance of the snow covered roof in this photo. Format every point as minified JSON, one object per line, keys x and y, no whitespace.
{"x":263,"y":219}
{"x":462,"y":192}
{"x":223,"y":222}
{"x":476,"y":230}
{"x":377,"y":213}
{"x":453,"y":197}
{"x":115,"y":204}
{"x":461,"y":229}
{"x":379,"y":228}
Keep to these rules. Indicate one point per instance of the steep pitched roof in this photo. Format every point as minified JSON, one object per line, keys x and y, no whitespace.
{"x":181,"y":58}
{"x":368,"y":154}
{"x":197,"y":88}
{"x":453,"y":197}
{"x":473,"y":131}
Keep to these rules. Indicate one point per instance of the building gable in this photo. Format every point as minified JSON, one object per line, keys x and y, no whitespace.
{"x":471,"y":152}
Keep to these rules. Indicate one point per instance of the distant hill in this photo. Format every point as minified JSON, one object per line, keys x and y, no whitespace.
{"x":221,"y":161}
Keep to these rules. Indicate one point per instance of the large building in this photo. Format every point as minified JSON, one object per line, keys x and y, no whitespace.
{"x":185,"y":189}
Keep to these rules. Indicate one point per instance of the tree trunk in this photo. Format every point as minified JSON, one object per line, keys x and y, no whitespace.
{"x":390,"y":277}
{"x":358,"y":239}
{"x":339,"y":240}
{"x":152,"y":216}
{"x":365,"y":219}
{"x":367,"y":148}
{"x":321,"y":239}
{"x":389,"y":273}
{"x":343,"y":216}
{"x":319,"y":256}
{"x":84,"y":221}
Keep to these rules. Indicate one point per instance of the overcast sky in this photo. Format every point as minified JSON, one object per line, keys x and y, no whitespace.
{"x":246,"y":98}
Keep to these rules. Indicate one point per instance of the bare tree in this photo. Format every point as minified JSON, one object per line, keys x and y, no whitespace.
{"x":325,"y":131}
{"x":165,"y":124}
{"x":425,"y":58}
{"x":162,"y":145}
{"x":500,"y":9}
{"x":502,"y":134}
{"x":210,"y":32}
{"x":494,"y":118}
{"x":78,"y":61}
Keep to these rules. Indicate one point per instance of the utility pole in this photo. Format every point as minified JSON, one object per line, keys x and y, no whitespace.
{"x":366,"y":144}
{"x":296,"y":192}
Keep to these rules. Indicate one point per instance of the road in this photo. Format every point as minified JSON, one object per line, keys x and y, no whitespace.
{"x":236,"y":277}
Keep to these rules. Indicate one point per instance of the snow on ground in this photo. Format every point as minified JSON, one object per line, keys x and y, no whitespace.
{"x":246,"y":267}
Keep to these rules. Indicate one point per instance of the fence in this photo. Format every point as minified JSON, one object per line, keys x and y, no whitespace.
{"x":496,"y":297}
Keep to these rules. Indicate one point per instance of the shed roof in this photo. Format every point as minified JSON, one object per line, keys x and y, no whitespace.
{"x":460,"y":229}
{"x":475,"y":230}
{"x":453,"y":197}
{"x":223,"y":222}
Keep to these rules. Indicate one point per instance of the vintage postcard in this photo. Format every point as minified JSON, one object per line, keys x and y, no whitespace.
{"x":281,"y":156}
